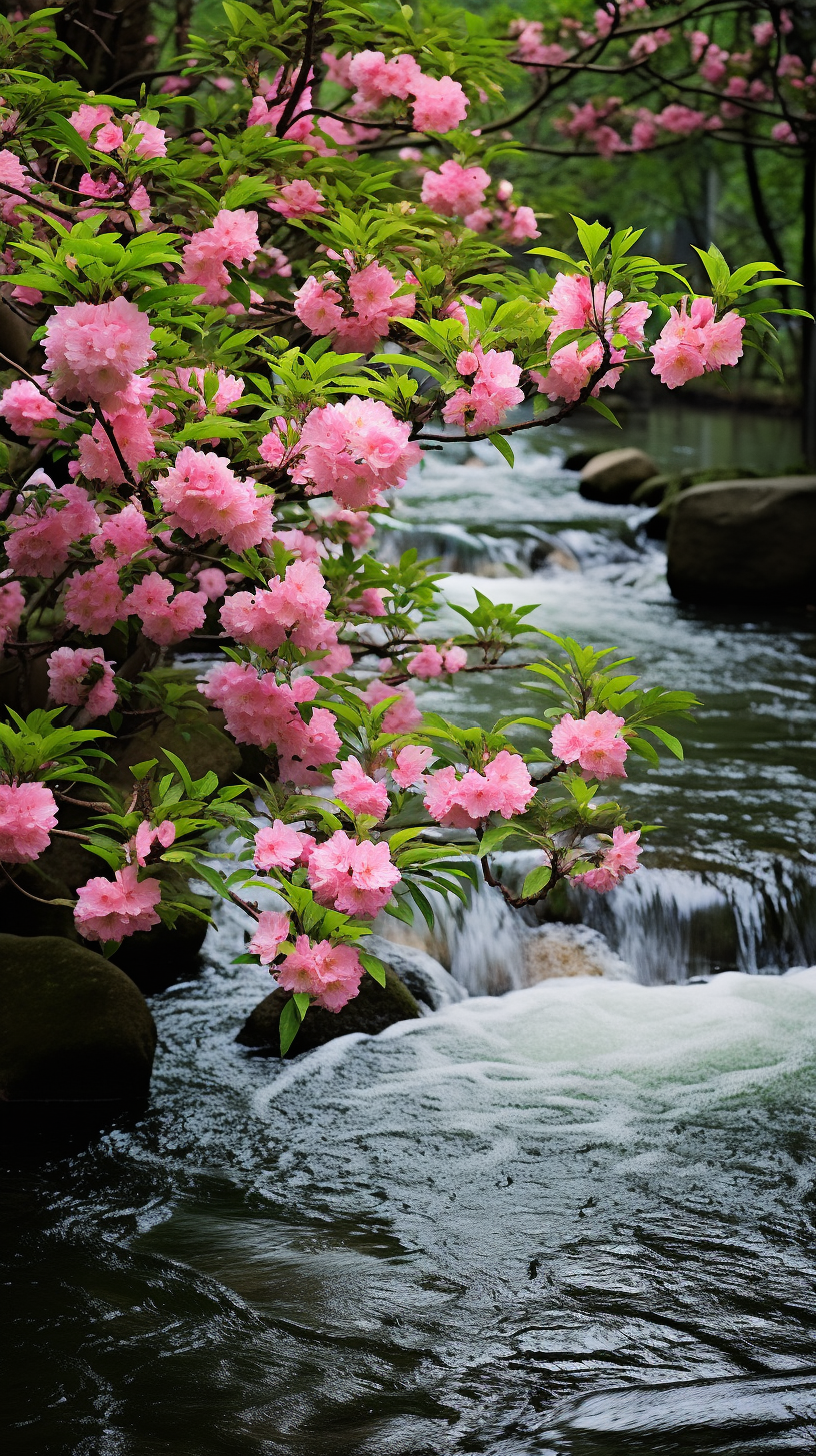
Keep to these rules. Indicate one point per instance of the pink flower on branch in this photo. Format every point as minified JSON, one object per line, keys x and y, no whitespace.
{"x":355,"y":878}
{"x":360,"y":794}
{"x":619,"y":860}
{"x":331,"y":974}
{"x":593,"y":742}
{"x":272,"y":931}
{"x":82,"y":678}
{"x":113,"y":909}
{"x":28,"y":813}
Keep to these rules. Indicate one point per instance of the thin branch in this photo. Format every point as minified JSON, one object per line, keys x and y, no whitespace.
{"x":303,"y":74}
{"x":27,"y":893}
{"x":108,"y":428}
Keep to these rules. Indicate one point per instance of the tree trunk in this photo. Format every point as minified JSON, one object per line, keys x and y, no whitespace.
{"x":110,"y":39}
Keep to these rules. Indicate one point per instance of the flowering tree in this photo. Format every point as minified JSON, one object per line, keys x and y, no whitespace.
{"x":635,"y":76}
{"x":250,"y":297}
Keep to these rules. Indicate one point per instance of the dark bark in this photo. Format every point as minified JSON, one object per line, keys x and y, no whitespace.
{"x":809,"y":303}
{"x":110,"y":39}
{"x":763,"y":220}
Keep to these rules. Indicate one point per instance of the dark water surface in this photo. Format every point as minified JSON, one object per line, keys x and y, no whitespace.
{"x":577,"y":1218}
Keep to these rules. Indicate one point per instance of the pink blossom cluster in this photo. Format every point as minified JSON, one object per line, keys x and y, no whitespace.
{"x":619,"y":860}
{"x":578,"y":306}
{"x":330,"y":974}
{"x":590,"y":122}
{"x":260,"y":711}
{"x":82,"y":678}
{"x":166,"y":619}
{"x":147,"y":835}
{"x":130,"y":199}
{"x":354,"y":451}
{"x":493,"y":391}
{"x":298,"y":199}
{"x":293,"y":607}
{"x":12,"y":606}
{"x":532,"y":49}
{"x":355,"y":877}
{"x":94,"y":600}
{"x":133,"y":429}
{"x":40,"y":539}
{"x":14,"y":175}
{"x":318,"y":304}
{"x":28,"y":813}
{"x":228,"y":389}
{"x":504,"y":788}
{"x":261,"y":113}
{"x":279,"y":846}
{"x":593,"y":742}
{"x":438,"y":105}
{"x":360,"y":793}
{"x":122,"y":535}
{"x":109,"y":910}
{"x":456,"y":191}
{"x":232,"y":238}
{"x":430,"y":662}
{"x":694,"y":343}
{"x":92,"y":350}
{"x":26,"y":408}
{"x":205,"y":498}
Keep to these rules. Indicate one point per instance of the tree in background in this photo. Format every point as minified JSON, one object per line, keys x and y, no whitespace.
{"x":252,"y":297}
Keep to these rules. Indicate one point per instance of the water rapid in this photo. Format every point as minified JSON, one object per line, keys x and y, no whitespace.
{"x":562,"y":1217}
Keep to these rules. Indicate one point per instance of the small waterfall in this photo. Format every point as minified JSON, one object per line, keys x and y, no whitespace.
{"x":659,"y":926}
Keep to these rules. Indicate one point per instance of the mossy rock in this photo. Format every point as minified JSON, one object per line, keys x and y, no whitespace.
{"x":20,"y":915}
{"x":157,"y":958}
{"x":201,"y":751}
{"x":73,"y":1028}
{"x":372,"y":1010}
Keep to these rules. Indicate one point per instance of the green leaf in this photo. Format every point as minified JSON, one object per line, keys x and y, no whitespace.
{"x":70,"y":139}
{"x":374,"y":967}
{"x":536,"y":880}
{"x":673,"y":744}
{"x":499,"y":443}
{"x":602,"y":409}
{"x":289,"y":1026}
{"x":302,"y":1000}
{"x":141,"y":770}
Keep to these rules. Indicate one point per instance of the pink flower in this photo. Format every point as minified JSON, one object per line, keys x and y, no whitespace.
{"x":212,"y":582}
{"x":123,"y":535}
{"x":259,"y":711}
{"x":619,"y":860}
{"x":455,"y":659}
{"x":39,"y":543}
{"x":94,"y":600}
{"x":227,"y":393}
{"x":680,"y":120}
{"x":782,"y":132}
{"x":109,"y":138}
{"x":455,"y":190}
{"x":337,"y":68}
{"x":87,"y":118}
{"x":97,"y":457}
{"x":146,"y":836}
{"x":371,"y":602}
{"x":439,"y":105}
{"x":353,"y":451}
{"x":356,"y":879}
{"x":112,"y":909}
{"x":510,"y":783}
{"x":403,"y":715}
{"x":13,"y":173}
{"x":232,"y":238}
{"x":692,"y":343}
{"x":202,"y":496}
{"x":12,"y":606}
{"x":519,"y":224}
{"x":318,"y":307}
{"x":467,"y":362}
{"x":329,"y":973}
{"x":360,"y":794}
{"x":28,"y":813}
{"x":26,"y":408}
{"x":93,"y":349}
{"x":272,"y":931}
{"x":428,"y":662}
{"x":593,"y":742}
{"x":152,"y":140}
{"x":443,"y":802}
{"x":411,"y":763}
{"x":278,"y":847}
{"x":165,"y":621}
{"x":494,"y":391}
{"x":82,"y":678}
{"x":298,"y":199}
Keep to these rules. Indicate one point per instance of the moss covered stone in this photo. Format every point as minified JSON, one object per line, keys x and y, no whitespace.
{"x":372,"y":1010}
{"x":72,"y":1026}
{"x":157,"y":958}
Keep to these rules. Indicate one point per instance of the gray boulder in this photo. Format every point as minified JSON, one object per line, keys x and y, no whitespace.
{"x":745,"y":541}
{"x":425,"y":977}
{"x":373,"y":1009}
{"x":614,"y":476}
{"x":73,"y":1028}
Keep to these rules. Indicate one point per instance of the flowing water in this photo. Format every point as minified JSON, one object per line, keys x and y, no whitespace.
{"x":575,"y":1218}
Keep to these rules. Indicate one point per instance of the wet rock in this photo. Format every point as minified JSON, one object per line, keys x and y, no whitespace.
{"x":745,"y":541}
{"x":571,"y":950}
{"x":20,"y":915}
{"x":546,"y":554}
{"x":614,"y":476}
{"x":158,"y":958}
{"x":426,"y":978}
{"x":372,"y":1010}
{"x":73,"y":1028}
{"x":579,"y":458}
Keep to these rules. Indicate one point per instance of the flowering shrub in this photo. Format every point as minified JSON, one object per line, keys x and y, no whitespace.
{"x":244,"y":333}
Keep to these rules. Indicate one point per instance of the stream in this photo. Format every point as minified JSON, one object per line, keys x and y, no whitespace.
{"x":572,"y":1218}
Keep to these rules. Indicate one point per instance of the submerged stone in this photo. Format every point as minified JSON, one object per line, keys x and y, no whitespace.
{"x":372,"y":1010}
{"x":73,"y":1028}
